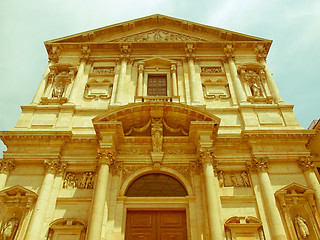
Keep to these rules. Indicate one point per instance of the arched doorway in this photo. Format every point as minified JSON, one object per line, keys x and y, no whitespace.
{"x":156,"y":224}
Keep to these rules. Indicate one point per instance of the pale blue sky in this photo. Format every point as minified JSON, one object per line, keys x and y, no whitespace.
{"x":294,"y":27}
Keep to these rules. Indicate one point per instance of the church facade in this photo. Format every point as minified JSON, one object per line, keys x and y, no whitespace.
{"x":158,"y":128}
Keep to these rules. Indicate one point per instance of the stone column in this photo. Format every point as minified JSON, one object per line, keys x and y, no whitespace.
{"x":260,"y":165}
{"x":42,"y":86}
{"x":174,"y":80}
{"x":229,"y":53}
{"x":106,"y":158}
{"x":7,"y":165}
{"x":125,"y":55}
{"x":140,"y":80}
{"x":195,"y":85}
{"x":39,"y":211}
{"x":77,"y":81}
{"x":307,"y":165}
{"x":261,"y":55}
{"x":213,"y":207}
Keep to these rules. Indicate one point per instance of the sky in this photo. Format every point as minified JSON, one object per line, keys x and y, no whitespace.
{"x":293,"y":25}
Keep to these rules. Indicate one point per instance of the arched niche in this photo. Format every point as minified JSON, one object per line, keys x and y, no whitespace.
{"x":156,"y":185}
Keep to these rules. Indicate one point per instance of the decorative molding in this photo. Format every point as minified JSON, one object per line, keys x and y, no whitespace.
{"x":228,"y":51}
{"x":184,"y":170}
{"x":127,"y":170}
{"x":261,"y":52}
{"x":54,"y":54}
{"x":211,"y":70}
{"x":85,"y":54}
{"x":157,"y":35}
{"x":103,"y":70}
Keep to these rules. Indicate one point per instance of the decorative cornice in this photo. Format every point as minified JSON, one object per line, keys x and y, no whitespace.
{"x":7,"y":165}
{"x":259,"y":164}
{"x":306,"y":163}
{"x":106,"y":156}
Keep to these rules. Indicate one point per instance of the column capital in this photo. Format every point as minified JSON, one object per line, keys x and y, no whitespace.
{"x":141,"y":67}
{"x":259,"y":164}
{"x":106,"y":156}
{"x":229,"y":52}
{"x":54,"y":54}
{"x":52,"y":165}
{"x":85,"y":54}
{"x":7,"y":165}
{"x":173,"y":67}
{"x":206,"y":155}
{"x":306,"y":163}
{"x":125,"y":52}
{"x":190,"y":50}
{"x":261,"y":52}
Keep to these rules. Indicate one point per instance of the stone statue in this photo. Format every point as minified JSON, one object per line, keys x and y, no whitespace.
{"x":10,"y":228}
{"x":256,"y":90}
{"x":89,"y":183}
{"x":58,"y":90}
{"x":234,"y":180}
{"x":301,"y":227}
{"x":83,"y":182}
{"x":221,"y":178}
{"x":245,"y":179}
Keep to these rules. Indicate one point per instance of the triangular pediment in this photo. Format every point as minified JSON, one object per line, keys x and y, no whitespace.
{"x":156,"y":28}
{"x":294,"y":187}
{"x":17,"y":191}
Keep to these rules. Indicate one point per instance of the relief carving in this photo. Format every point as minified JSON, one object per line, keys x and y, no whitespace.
{"x":233,"y":179}
{"x":216,"y":89}
{"x":157,"y":134}
{"x":103,"y":70}
{"x":157,"y":35}
{"x":78,"y":180}
{"x":211,"y":70}
{"x":98,"y":89}
{"x":185,"y":170}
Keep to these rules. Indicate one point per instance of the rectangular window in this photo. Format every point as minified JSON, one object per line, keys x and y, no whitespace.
{"x":157,"y":85}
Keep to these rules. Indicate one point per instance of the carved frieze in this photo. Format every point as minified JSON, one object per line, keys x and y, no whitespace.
{"x":81,"y":180}
{"x":211,"y":70}
{"x":103,"y":70}
{"x":157,"y":35}
{"x":233,"y":179}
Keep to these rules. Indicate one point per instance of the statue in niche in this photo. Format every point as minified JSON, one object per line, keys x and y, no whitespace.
{"x":9,"y":229}
{"x":70,"y":181}
{"x":301,"y":227}
{"x":234,"y":180}
{"x":221,"y":178}
{"x":256,"y":90}
{"x":245,"y":179}
{"x":58,"y":90}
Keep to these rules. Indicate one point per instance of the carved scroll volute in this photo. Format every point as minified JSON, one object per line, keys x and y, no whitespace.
{"x":7,"y":165}
{"x":106,"y":156}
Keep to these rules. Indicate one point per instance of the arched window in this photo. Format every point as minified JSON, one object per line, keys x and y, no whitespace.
{"x":156,"y":185}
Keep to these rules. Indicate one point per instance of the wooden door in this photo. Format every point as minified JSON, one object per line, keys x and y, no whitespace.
{"x":156,"y":225}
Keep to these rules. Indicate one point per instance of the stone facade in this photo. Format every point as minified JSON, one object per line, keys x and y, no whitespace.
{"x":159,"y":121}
